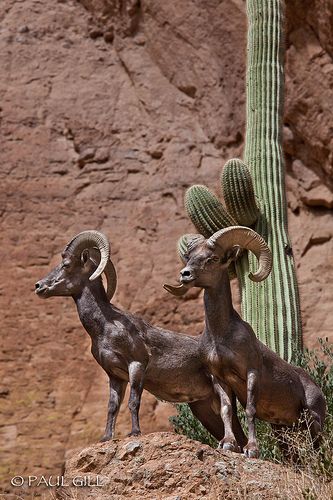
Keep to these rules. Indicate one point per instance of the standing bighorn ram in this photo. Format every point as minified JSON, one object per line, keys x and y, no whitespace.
{"x":167,"y":364}
{"x":268,"y":387}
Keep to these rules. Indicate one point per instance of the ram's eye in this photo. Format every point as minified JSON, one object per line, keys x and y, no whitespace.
{"x":65,"y":263}
{"x":211,"y":260}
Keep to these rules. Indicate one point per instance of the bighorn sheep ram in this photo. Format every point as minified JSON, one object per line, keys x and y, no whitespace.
{"x":268,"y":387}
{"x":167,"y":364}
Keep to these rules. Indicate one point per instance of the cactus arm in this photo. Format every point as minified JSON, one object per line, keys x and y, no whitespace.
{"x":238,"y":192}
{"x":205,"y":211}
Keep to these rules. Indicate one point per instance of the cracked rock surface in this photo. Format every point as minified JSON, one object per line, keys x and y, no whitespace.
{"x":109,"y":110}
{"x":168,"y":466}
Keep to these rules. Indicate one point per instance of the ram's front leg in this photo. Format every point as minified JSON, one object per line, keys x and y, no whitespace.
{"x":251,"y":450}
{"x":136,"y":376}
{"x":225,"y":395}
{"x":117,"y":392}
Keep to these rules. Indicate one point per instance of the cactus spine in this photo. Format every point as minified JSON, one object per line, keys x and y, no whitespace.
{"x":272,"y":308}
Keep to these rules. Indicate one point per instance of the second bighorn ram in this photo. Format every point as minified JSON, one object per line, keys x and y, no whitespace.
{"x":167,"y":364}
{"x":268,"y":387}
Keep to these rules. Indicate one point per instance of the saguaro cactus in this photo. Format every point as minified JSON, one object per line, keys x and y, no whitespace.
{"x":272,"y":308}
{"x":254,"y":191}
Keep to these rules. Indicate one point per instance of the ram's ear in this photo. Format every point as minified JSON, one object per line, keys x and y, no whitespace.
{"x":85,"y":256}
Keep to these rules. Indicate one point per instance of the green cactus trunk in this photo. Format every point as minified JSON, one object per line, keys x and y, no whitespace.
{"x":271,"y":307}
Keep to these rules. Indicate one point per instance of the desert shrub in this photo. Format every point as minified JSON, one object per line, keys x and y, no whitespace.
{"x":315,"y":460}
{"x":319,"y":365}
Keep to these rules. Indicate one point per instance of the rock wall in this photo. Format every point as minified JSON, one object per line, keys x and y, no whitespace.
{"x":109,"y":111}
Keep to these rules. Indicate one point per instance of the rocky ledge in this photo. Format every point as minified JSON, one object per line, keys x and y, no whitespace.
{"x":169,"y":466}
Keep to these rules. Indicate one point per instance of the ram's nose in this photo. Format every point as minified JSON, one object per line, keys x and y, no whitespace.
{"x":39,"y":287}
{"x":186,"y":275}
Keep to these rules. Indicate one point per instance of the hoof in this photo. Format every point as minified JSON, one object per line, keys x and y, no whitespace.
{"x":134,"y":433}
{"x":252,"y":453}
{"x":105,"y":438}
{"x":228,"y":446}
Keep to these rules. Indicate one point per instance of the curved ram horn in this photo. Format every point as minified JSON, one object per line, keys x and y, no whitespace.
{"x":111,"y":279}
{"x":177,"y":290}
{"x":248,"y":239}
{"x":91,"y":239}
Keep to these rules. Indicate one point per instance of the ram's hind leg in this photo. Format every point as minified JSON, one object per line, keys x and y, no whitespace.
{"x":207,"y":411}
{"x":117,"y":392}
{"x":251,"y":450}
{"x":136,"y":377}
{"x":241,"y":438}
{"x":315,"y":424}
{"x":315,"y":410}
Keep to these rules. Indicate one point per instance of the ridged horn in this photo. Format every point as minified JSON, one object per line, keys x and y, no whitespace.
{"x":111,"y":279}
{"x":91,"y":239}
{"x":250,"y":240}
{"x":177,"y":290}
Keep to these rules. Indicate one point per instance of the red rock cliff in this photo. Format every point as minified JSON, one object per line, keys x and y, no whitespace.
{"x":109,"y":111}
